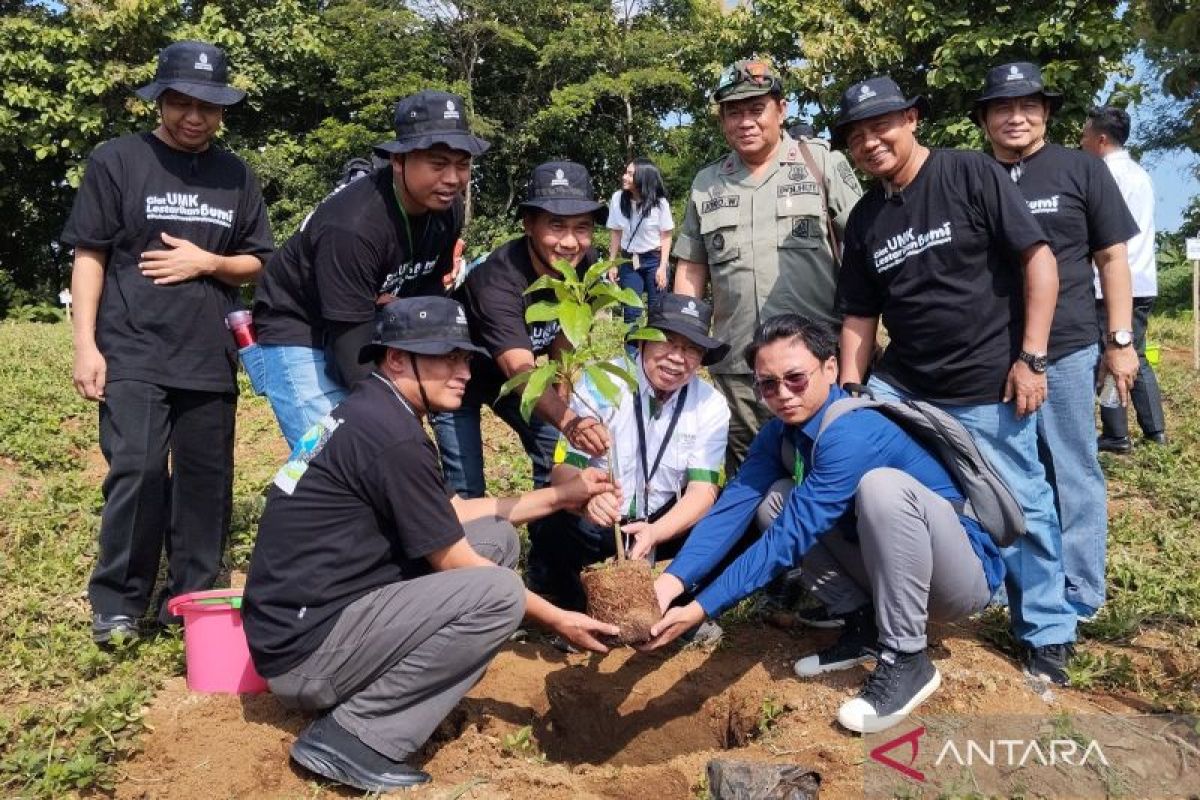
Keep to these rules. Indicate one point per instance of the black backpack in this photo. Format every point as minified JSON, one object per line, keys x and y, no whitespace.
{"x":989,"y":500}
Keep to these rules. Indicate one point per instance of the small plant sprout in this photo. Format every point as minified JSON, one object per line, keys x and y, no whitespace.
{"x":576,"y":303}
{"x":769,"y":713}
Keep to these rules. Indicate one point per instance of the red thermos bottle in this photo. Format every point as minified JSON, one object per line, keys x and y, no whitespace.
{"x":241,"y":324}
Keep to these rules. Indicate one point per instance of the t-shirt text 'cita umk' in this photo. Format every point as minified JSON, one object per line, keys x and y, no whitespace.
{"x":940,"y":262}
{"x":136,"y":188}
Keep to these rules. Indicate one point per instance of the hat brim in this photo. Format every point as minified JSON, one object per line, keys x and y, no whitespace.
{"x":878,"y":109}
{"x":714,"y":349}
{"x":455,"y":140}
{"x":214,"y":93}
{"x":566,"y":207}
{"x":744,"y":93}
{"x":1055,"y":100}
{"x":426,"y":347}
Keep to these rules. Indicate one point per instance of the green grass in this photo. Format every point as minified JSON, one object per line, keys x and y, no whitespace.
{"x":70,"y":713}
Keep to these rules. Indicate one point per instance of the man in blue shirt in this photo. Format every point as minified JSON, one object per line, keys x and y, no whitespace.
{"x":873,"y":518}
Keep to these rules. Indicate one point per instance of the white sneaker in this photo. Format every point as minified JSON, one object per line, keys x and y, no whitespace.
{"x":900,"y":683}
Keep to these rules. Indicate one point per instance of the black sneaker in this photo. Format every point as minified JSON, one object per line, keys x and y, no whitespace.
{"x":113,"y":628}
{"x":855,"y":646}
{"x":900,"y":683}
{"x":819,"y":617}
{"x":332,"y":752}
{"x":1157,"y":438}
{"x":1049,"y":662}
{"x":1121,"y":445}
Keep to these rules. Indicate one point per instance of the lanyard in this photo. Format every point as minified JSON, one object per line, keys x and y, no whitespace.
{"x":412,"y":251}
{"x":648,"y":471}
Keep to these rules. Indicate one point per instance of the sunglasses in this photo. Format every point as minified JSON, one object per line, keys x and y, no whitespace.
{"x":755,"y":72}
{"x":796,"y":383}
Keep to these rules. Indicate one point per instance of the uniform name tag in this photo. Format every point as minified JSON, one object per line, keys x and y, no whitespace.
{"x":793,"y":189}
{"x":724,"y":201}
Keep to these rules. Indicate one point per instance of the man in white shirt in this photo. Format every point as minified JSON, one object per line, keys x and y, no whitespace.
{"x":668,"y":448}
{"x":1104,"y":135}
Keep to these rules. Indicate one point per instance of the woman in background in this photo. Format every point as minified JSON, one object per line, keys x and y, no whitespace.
{"x":640,"y":225}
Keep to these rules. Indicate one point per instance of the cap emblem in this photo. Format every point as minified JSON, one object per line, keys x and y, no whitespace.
{"x":461,"y":319}
{"x":560,"y":179}
{"x":423,"y":314}
{"x":690,"y":309}
{"x":865,"y":93}
{"x":203,"y":63}
{"x":1015,"y":74}
{"x":451,"y":112}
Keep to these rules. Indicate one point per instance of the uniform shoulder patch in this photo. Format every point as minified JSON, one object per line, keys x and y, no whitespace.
{"x":846,"y":173}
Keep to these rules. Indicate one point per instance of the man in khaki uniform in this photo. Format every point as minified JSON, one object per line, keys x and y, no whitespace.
{"x":759,"y":224}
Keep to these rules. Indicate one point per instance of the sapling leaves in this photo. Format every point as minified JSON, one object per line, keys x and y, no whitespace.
{"x":619,"y":373}
{"x":647,"y":335}
{"x":576,"y":321}
{"x":604,"y":384}
{"x":541,"y":311}
{"x":539,"y":379}
{"x":595,"y":272}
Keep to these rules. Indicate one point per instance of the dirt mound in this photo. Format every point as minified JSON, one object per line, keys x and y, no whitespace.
{"x":542,"y":724}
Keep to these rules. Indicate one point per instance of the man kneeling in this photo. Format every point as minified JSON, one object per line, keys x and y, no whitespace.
{"x":669,"y":446}
{"x":872,"y":518}
{"x":374,"y":592}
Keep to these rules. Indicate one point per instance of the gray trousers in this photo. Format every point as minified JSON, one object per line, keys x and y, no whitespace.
{"x":399,"y":659}
{"x":912,"y":559}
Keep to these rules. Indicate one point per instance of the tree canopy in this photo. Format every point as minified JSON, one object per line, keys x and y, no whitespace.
{"x":597,"y":81}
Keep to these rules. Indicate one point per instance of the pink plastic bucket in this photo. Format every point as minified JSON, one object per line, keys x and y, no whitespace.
{"x":218,"y":659}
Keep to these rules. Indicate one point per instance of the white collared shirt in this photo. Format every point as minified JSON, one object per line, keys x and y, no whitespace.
{"x":695,"y":451}
{"x":639,"y":235}
{"x":1138,"y":191}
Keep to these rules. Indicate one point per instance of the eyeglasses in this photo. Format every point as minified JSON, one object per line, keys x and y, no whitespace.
{"x":796,"y":382}
{"x":689,"y":351}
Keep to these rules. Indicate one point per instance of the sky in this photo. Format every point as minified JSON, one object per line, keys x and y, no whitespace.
{"x":1174,"y":173}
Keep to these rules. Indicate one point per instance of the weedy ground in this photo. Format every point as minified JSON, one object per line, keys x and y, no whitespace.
{"x":72,"y":714}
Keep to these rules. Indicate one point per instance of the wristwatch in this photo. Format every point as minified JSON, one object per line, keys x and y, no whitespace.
{"x":1035,"y":361}
{"x":1120,"y":338}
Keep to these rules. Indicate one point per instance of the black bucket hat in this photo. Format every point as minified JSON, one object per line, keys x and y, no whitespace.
{"x":690,"y":318}
{"x":1018,"y":79}
{"x":873,"y":97}
{"x":197,"y":69}
{"x":563,"y":188}
{"x":427,"y":326}
{"x":431,"y":117}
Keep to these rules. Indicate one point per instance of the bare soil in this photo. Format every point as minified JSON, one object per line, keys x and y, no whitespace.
{"x":622,"y":593}
{"x":624,"y":725}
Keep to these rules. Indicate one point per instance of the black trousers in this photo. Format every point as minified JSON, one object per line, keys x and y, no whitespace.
{"x":169,"y":482}
{"x":1146,"y":396}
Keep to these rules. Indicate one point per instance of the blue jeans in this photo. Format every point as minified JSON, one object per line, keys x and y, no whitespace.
{"x":460,"y":441}
{"x":640,"y":280}
{"x":1066,"y":427}
{"x":1036,"y":585}
{"x":295,"y":381}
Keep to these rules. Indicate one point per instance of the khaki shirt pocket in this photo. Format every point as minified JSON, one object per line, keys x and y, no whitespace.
{"x":719,"y":231}
{"x":798,"y":224}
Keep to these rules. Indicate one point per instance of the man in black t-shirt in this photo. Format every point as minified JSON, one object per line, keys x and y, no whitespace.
{"x":366,"y":597}
{"x":944,"y":249}
{"x":559,"y":214}
{"x":389,"y":234}
{"x":1077,"y":202}
{"x":165,"y":227}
